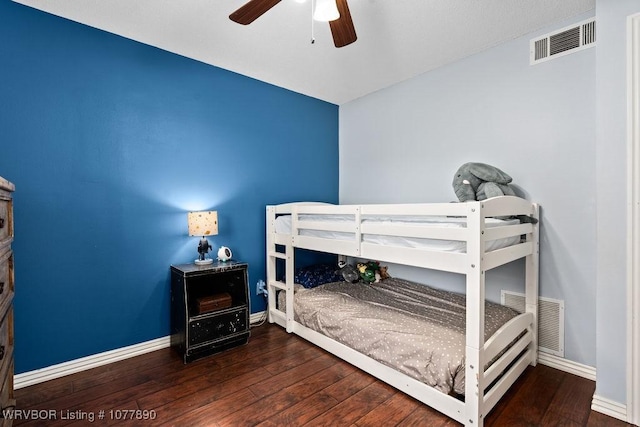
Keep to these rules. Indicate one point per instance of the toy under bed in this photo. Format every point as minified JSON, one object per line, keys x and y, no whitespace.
{"x":413,"y":328}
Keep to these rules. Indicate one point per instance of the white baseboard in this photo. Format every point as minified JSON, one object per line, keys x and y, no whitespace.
{"x":71,"y":367}
{"x":598,"y":404}
{"x":66,"y":368}
{"x":562,"y":364}
{"x":609,"y":407}
{"x":257,"y":317}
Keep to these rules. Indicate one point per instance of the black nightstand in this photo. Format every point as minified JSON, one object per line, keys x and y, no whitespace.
{"x":209,"y":308}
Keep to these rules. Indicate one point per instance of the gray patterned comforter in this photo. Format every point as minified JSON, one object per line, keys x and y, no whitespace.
{"x":413,"y":328}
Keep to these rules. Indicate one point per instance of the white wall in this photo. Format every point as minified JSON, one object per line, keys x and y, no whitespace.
{"x":537,"y":123}
{"x":611,"y":172}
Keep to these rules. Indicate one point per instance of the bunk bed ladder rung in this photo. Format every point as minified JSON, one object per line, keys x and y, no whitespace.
{"x":279,"y":255}
{"x":278,"y":284}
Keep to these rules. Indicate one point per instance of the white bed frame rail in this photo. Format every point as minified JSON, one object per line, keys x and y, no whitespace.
{"x":515,"y":342}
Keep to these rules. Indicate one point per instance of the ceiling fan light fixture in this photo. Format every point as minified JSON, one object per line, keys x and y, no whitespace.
{"x":326,"y":10}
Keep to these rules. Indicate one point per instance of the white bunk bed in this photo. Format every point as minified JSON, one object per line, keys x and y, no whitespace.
{"x":361,"y":231}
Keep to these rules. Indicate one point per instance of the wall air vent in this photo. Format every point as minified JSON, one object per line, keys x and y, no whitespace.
{"x":563,"y":42}
{"x":550,"y":321}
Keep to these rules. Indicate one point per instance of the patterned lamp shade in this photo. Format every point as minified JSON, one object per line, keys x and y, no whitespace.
{"x":203,"y":223}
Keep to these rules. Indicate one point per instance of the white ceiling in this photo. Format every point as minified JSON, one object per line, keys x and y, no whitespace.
{"x":397,"y":39}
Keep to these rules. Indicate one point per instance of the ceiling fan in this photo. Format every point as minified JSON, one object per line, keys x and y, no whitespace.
{"x":342,"y":28}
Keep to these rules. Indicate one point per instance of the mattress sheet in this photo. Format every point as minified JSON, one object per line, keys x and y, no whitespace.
{"x":410,"y":327}
{"x":283,"y":226}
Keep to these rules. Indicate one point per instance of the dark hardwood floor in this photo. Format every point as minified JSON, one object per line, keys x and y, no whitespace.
{"x":281,"y":380}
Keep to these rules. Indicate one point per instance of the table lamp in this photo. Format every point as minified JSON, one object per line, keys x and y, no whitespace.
{"x":203,"y":224}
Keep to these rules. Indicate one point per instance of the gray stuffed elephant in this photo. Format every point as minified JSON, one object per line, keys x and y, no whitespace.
{"x":479,"y":181}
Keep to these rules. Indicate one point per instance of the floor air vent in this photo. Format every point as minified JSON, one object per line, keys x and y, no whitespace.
{"x":563,"y":42}
{"x":550,"y":321}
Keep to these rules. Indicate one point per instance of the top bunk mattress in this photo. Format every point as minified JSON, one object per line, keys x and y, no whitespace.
{"x":283,"y":226}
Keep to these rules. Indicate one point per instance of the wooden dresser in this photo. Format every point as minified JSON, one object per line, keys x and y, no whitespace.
{"x":7,"y":401}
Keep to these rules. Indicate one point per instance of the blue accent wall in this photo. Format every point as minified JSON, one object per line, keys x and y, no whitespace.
{"x":109,"y":143}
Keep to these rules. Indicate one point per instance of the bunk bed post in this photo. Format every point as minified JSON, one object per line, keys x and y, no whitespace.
{"x":289,"y":262}
{"x":271,"y":261}
{"x":532,"y":281}
{"x":475,"y":294}
{"x":289,"y":272}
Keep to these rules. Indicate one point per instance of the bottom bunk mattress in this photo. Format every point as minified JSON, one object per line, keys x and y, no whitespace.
{"x":413,"y":328}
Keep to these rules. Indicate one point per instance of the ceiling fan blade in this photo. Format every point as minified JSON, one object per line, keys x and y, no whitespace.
{"x":252,"y":10}
{"x":342,"y":29}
